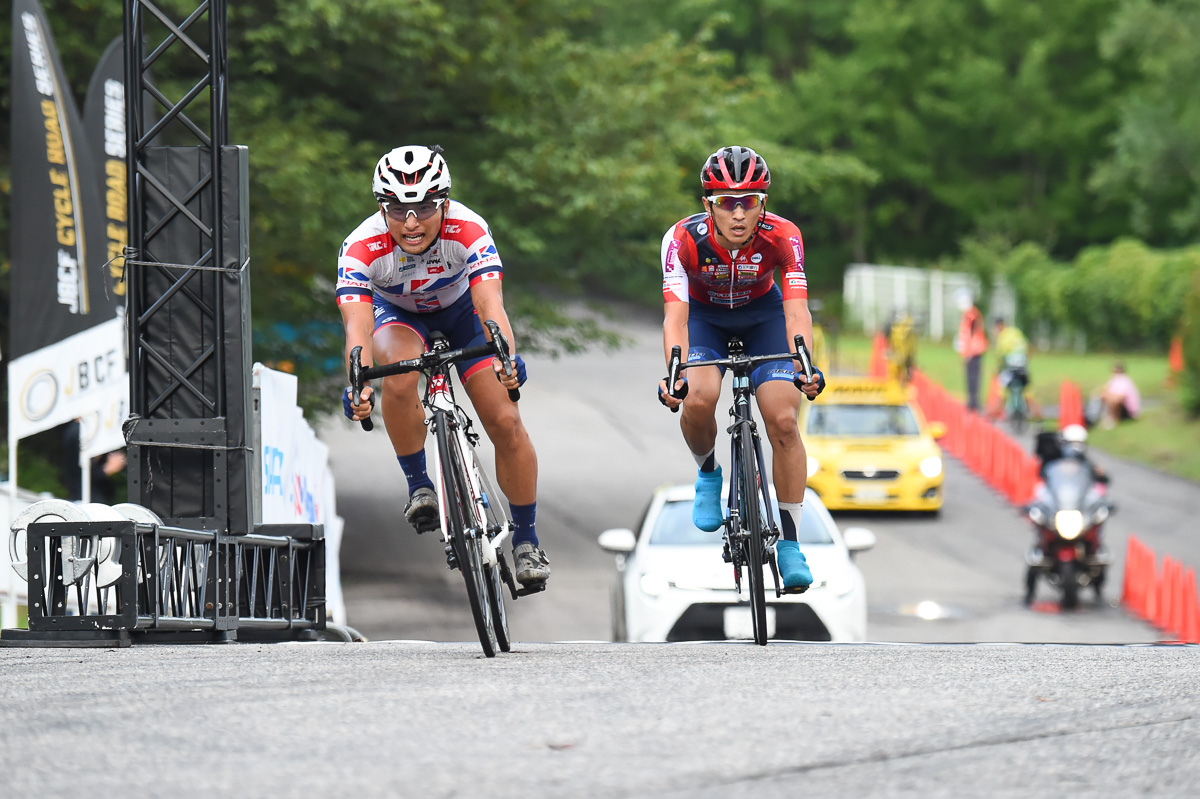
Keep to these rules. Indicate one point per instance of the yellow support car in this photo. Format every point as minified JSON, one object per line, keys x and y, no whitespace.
{"x":870,"y":448}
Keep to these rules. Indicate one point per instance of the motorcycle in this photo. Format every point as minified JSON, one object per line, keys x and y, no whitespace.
{"x":1068,"y":511}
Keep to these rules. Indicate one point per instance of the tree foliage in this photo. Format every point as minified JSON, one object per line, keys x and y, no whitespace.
{"x":896,"y":131}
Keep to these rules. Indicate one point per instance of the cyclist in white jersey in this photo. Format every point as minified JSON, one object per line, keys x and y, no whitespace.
{"x":425,"y":262}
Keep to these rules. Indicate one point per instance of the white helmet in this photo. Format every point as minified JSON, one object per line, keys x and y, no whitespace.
{"x":411,"y":174}
{"x":1074,"y":434}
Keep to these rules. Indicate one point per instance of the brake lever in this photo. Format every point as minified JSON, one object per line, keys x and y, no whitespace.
{"x":805,"y":361}
{"x":501,"y":345}
{"x":357,"y":383}
{"x":673,"y":370}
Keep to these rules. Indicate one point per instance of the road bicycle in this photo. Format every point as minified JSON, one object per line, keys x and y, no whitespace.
{"x":474,"y":522}
{"x":750,"y":530}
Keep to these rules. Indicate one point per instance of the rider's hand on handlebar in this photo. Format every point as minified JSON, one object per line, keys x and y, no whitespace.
{"x":813,"y":388}
{"x":681,"y":390}
{"x":518,"y":377}
{"x":357,"y":411}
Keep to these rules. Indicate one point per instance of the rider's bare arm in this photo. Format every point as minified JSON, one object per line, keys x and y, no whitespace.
{"x":488,"y":299}
{"x":358,"y":319}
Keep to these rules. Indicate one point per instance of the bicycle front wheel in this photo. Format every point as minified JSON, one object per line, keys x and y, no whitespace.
{"x":751,"y":522}
{"x":487,"y":499}
{"x":465,"y":532}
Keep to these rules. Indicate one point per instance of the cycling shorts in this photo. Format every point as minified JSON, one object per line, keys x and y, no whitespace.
{"x":759,"y":324}
{"x":458,"y":322}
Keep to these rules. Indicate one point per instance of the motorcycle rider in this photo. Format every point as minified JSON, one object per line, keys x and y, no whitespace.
{"x":1070,"y":442}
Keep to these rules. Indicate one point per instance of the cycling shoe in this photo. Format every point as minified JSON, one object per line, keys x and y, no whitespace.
{"x":706,"y":509}
{"x":532,"y":565}
{"x":422,"y":510}
{"x":793,"y":568}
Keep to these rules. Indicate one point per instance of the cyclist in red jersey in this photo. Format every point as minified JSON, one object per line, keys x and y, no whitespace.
{"x":425,"y":262}
{"x":718,"y":281}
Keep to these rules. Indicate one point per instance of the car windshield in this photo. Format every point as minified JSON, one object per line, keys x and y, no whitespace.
{"x":862,"y":420}
{"x":674,"y":527}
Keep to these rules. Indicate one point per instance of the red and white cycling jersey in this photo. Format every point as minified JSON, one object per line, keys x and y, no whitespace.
{"x":695,"y":267}
{"x":371,"y":261}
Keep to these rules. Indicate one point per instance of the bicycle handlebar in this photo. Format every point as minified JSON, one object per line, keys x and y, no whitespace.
{"x":498,"y":347}
{"x":737,"y":362}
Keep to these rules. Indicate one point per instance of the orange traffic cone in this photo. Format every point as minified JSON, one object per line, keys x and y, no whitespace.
{"x":878,"y":364}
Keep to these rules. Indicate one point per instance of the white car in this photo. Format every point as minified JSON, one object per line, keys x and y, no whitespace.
{"x":672,"y":584}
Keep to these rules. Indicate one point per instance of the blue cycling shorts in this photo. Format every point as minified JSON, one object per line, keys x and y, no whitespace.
{"x":458,"y":322}
{"x":759,"y":324}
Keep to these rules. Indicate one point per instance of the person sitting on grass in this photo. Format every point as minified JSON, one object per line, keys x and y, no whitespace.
{"x":1120,"y":398}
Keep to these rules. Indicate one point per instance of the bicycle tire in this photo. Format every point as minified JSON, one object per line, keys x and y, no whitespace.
{"x":493,"y":519}
{"x":750,"y":520}
{"x":460,"y":515}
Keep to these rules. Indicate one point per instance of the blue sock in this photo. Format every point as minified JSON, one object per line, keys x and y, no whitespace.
{"x":413,"y":467}
{"x":523,"y":524}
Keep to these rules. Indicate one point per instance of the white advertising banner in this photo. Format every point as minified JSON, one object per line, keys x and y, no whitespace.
{"x":83,"y":376}
{"x":297,"y":484}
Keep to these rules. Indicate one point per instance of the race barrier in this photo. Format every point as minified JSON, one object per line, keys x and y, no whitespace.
{"x":985,"y":449}
{"x":1164,"y":595}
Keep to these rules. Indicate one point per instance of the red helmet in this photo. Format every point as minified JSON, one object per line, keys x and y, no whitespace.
{"x":735,"y":169}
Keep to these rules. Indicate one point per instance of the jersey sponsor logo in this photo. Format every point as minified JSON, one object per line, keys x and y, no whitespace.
{"x":798,"y":249}
{"x":436,"y":270}
{"x":451,"y":228}
{"x":766,"y":226}
{"x":379,"y":311}
{"x":756,"y":258}
{"x":702,"y":229}
{"x":797,"y":283}
{"x":672,"y":254}
{"x":374,"y":246}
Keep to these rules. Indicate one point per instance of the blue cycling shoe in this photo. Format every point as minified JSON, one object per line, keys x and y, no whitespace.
{"x":706,"y":510}
{"x":793,"y":568}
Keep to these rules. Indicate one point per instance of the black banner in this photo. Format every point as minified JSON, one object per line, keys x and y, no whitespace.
{"x":104,"y":127}
{"x":58,"y":246}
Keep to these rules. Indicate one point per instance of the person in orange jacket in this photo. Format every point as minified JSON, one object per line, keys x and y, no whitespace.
{"x":971,"y":344}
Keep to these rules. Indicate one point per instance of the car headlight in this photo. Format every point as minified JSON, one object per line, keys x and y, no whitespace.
{"x":814,"y":466}
{"x":653,"y":585}
{"x":931,"y":466}
{"x":1069,"y":524}
{"x":841,"y":584}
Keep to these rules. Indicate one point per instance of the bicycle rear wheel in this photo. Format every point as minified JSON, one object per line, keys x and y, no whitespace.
{"x":751,"y":522}
{"x":465,"y":531}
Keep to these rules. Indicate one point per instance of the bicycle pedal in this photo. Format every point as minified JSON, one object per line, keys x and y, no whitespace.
{"x":451,"y":558}
{"x":532,"y":588}
{"x":800,"y":589}
{"x":725,"y":556}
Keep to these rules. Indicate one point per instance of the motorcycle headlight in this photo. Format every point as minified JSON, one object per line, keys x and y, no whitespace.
{"x":1069,"y":524}
{"x":814,"y":466}
{"x":932,"y":466}
{"x":653,"y":585}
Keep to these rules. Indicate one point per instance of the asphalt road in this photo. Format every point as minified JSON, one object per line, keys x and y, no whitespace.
{"x":604,"y":443}
{"x":600,"y":720}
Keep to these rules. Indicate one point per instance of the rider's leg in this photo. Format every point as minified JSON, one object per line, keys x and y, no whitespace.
{"x":404,"y":419}
{"x":779,"y":402}
{"x":698,"y":422}
{"x":516,"y":468}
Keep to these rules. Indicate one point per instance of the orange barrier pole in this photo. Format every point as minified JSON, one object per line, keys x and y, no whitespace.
{"x":1191,"y":603}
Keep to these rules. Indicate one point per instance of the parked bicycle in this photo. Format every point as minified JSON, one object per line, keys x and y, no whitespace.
{"x":750,"y":531}
{"x":473,"y":521}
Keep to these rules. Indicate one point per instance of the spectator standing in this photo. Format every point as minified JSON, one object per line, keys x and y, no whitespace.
{"x":971,"y":344}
